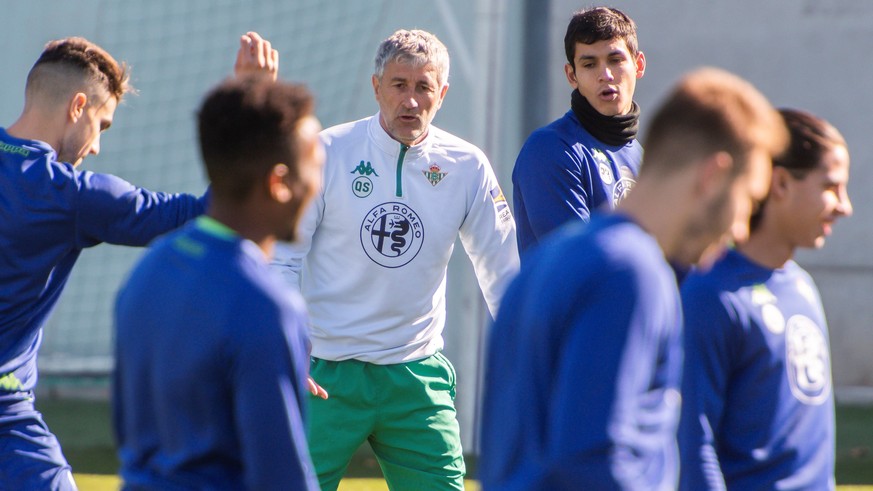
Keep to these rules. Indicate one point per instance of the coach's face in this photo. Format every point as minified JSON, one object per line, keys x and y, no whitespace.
{"x":409,"y":98}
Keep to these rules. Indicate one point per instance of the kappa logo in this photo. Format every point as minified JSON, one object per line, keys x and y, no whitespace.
{"x":392,"y":234}
{"x":434,"y":174}
{"x":9,"y":382}
{"x":14,"y":149}
{"x":364,"y":169}
{"x":362,"y":186}
{"x":807,"y":360}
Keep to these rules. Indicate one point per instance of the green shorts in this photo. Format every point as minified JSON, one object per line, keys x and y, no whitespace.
{"x":405,"y":411}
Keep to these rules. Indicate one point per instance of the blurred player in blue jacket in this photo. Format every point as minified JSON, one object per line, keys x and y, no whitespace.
{"x":758,"y":405}
{"x":211,"y":350}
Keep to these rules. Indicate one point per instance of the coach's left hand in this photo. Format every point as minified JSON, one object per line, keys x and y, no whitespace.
{"x":316,"y":389}
{"x":256,"y":57}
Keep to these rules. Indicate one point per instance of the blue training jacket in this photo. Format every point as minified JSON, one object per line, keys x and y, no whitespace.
{"x":757,"y":398}
{"x":583,"y":369}
{"x":211,"y":365}
{"x":49,"y":212}
{"x":562,"y":173}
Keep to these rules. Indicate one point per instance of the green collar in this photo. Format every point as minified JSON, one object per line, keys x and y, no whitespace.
{"x":214,"y":227}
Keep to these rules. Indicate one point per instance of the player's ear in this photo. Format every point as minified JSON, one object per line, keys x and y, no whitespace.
{"x":278,"y":183}
{"x":375,"y":81}
{"x":570,"y":71}
{"x":76,"y":107}
{"x":714,"y":173}
{"x":780,"y":182}
{"x":641,"y":64}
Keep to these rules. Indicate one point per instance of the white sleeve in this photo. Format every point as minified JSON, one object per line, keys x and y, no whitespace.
{"x":488,"y":237}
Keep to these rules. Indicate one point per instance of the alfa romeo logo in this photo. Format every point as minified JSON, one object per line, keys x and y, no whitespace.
{"x":807,"y":360}
{"x":392,"y":234}
{"x":621,"y":190}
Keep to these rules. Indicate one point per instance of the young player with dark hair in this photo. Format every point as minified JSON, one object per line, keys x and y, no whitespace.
{"x":211,"y":350}
{"x":757,"y":398}
{"x":588,"y":158}
{"x":585,"y":358}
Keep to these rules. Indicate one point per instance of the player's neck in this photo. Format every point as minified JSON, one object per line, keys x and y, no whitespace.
{"x":33,"y":126}
{"x":246,"y":224}
{"x":659,"y":207}
{"x":767,"y":248}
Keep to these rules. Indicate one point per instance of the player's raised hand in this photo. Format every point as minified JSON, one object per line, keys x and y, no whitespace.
{"x":256,"y":57}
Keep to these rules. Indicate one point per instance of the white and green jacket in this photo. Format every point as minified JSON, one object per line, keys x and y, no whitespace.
{"x":373,"y":248}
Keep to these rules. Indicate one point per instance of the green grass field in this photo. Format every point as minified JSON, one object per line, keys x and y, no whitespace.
{"x":91,"y":482}
{"x":83,"y":428}
{"x":95,"y":482}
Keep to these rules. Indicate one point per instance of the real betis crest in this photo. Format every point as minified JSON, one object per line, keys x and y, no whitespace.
{"x":603,"y":166}
{"x":434,"y":174}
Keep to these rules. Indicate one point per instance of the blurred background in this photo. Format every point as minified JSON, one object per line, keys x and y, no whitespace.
{"x":506,"y":80}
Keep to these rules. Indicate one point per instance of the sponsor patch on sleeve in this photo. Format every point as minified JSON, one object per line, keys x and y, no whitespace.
{"x":500,"y":205}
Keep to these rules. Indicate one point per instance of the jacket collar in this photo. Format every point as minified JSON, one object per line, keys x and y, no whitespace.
{"x":391,"y":146}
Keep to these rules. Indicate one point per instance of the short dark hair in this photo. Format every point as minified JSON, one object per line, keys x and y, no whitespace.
{"x":246,"y":127}
{"x":709,"y":111}
{"x":810,"y":139}
{"x":589,"y":26}
{"x":94,"y":63}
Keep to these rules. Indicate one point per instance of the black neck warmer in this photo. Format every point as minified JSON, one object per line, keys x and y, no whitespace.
{"x":612,"y":130}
